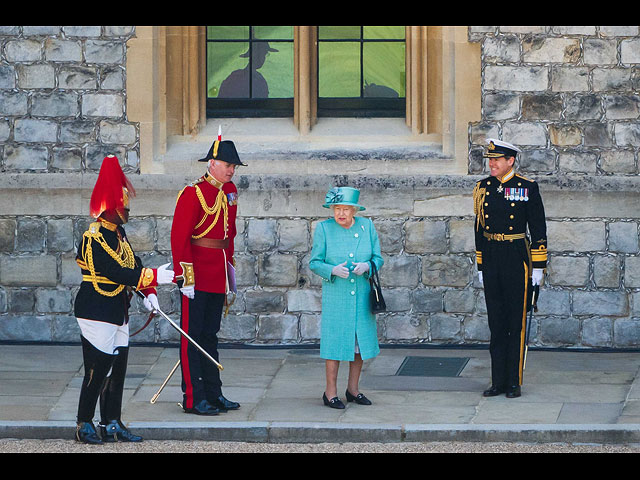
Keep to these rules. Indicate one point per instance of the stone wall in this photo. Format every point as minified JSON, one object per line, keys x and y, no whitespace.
{"x":63,"y":100}
{"x":567,"y":95}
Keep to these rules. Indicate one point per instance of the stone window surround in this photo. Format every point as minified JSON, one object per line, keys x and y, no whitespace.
{"x":166,"y":87}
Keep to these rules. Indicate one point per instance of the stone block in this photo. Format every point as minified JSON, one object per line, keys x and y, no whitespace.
{"x":13,"y":103}
{"x":600,"y":51}
{"x":304,"y":300}
{"x":262,"y":234}
{"x":611,"y":79}
{"x":26,"y":328}
{"x":36,"y":76}
{"x":400,"y":271}
{"x":618,"y":161}
{"x":554,"y":302}
{"x":389,"y":235}
{"x":59,"y":50}
{"x":310,"y":327}
{"x":606,"y":304}
{"x":21,"y":300}
{"x":626,"y":332}
{"x":583,"y":236}
{"x":102,"y":105}
{"x":104,"y":51}
{"x":397,"y":299}
{"x":623,"y":237}
{"x":501,"y":106}
{"x":403,"y":327}
{"x":445,"y":328}
{"x":550,"y":50}
{"x":541,"y":107}
{"x":29,"y":130}
{"x":78,"y":77}
{"x":621,"y":107}
{"x":568,"y":271}
{"x":260,"y":301}
{"x":597,"y":332}
{"x":294,"y":236}
{"x":583,"y":107}
{"x":7,"y":234}
{"x":627,"y":134}
{"x":582,"y":162}
{"x":66,"y":159}
{"x":565,"y":135}
{"x":461,"y":237}
{"x":28,"y":271}
{"x":446,"y":270}
{"x":117,"y":133}
{"x":31,"y":235}
{"x":238,"y":328}
{"x":569,"y":79}
{"x":141,"y":234}
{"x":427,"y":236}
{"x":630,"y":51}
{"x":26,"y":50}
{"x":459,"y":301}
{"x":502,"y":49}
{"x":245,"y":270}
{"x":49,"y":300}
{"x":55,"y":104}
{"x":607,"y":271}
{"x":476,"y":329}
{"x":277,"y":270}
{"x":70,"y":273}
{"x":278,"y":327}
{"x":427,"y":300}
{"x":525,"y":133}
{"x":632,"y":272}
{"x":516,"y":78}
{"x":559,"y":331}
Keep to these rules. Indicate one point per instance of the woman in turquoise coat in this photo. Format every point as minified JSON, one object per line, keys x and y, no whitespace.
{"x":344,"y":248}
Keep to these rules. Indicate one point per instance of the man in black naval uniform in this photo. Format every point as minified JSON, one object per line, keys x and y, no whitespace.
{"x":509,"y":260}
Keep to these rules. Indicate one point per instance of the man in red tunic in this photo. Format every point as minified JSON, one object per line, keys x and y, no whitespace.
{"x":202,"y":238}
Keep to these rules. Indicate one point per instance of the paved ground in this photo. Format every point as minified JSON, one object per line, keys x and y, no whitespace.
{"x":570,"y":399}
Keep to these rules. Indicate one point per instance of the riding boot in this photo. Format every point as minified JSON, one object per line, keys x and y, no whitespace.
{"x":111,"y":427}
{"x":96,"y":368}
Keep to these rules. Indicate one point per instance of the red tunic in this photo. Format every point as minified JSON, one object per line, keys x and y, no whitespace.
{"x":202,"y":212}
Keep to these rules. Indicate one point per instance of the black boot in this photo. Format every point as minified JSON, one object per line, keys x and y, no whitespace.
{"x":115,"y":431}
{"x":96,"y":367}
{"x":86,"y":433}
{"x":113,"y":388}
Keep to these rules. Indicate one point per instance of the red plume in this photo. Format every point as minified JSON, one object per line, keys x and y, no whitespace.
{"x":108,"y":192}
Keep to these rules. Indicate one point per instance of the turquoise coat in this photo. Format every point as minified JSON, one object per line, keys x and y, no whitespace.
{"x":346,"y":311}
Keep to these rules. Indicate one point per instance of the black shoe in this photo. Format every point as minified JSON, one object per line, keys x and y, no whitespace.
{"x":335,"y":402}
{"x":224,"y":405}
{"x":86,"y":433}
{"x":514,"y":391}
{"x":493,"y":392}
{"x":360,"y":399}
{"x":115,"y":431}
{"x":203,"y":408}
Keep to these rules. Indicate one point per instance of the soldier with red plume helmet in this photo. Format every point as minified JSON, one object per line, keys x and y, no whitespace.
{"x":110,"y":273}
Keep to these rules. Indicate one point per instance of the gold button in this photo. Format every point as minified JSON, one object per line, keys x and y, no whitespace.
{"x":510,"y":228}
{"x":513,"y":204}
{"x":511,"y":217}
{"x":489,"y":183}
{"x":519,"y":184}
{"x":487,"y":227}
{"x":488,"y":193}
{"x":486,"y":204}
{"x":486,"y":216}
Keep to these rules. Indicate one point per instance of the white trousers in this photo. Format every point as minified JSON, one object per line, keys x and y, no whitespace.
{"x":106,"y":337}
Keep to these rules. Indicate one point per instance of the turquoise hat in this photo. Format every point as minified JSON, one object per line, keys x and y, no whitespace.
{"x":343,"y":196}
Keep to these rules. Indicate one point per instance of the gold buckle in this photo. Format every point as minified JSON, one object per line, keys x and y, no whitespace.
{"x":499,"y":237}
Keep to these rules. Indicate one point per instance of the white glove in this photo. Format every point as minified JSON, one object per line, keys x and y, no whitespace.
{"x":164,"y":276}
{"x":536,"y":276}
{"x":360,"y":267}
{"x":151,"y":302}
{"x":480,"y":277}
{"x":340,"y":271}
{"x":189,"y":292}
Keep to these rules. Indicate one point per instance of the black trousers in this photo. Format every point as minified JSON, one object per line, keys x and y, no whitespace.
{"x":200,"y":319}
{"x":506,"y":277}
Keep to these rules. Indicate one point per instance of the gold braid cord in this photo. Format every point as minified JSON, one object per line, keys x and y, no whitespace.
{"x":125,"y":259}
{"x":478,"y":204}
{"x":219,"y":205}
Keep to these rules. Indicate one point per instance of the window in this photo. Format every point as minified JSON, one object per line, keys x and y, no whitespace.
{"x":361,"y":71}
{"x":249,"y":71}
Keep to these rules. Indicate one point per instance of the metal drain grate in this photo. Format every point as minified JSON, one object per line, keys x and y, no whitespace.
{"x":432,"y":367}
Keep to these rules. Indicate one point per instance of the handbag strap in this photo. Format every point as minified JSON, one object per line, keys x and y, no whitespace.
{"x":374,"y":278}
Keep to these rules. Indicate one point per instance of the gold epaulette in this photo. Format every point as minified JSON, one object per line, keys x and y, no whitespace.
{"x":192,"y":184}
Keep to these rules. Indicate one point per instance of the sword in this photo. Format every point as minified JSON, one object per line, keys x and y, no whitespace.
{"x":184,"y":334}
{"x":164,"y":384}
{"x":534,"y":306}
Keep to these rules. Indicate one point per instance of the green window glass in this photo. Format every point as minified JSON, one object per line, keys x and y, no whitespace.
{"x":249,"y":70}
{"x":361,"y":71}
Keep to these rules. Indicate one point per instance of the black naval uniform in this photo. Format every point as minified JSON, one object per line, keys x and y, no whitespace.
{"x":506,"y":255}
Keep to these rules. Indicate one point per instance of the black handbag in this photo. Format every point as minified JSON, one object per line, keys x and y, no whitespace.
{"x":377,"y":300}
